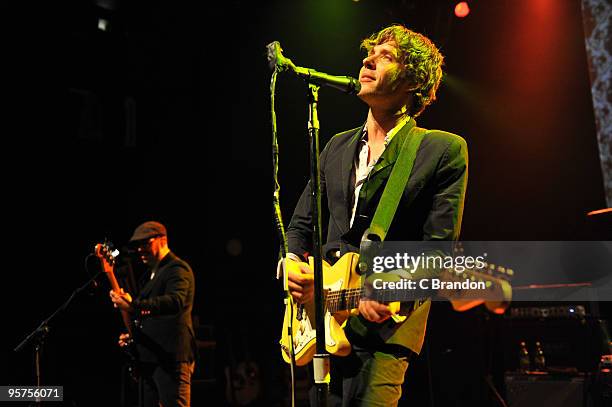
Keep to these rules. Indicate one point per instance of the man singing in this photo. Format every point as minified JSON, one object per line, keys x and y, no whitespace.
{"x":399,"y":79}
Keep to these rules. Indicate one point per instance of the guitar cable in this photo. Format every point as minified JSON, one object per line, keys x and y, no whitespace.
{"x":278,"y":220}
{"x":86,"y":267}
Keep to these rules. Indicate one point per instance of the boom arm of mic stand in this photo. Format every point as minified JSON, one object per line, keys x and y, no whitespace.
{"x":279,"y":63}
{"x":43,"y":328}
{"x":40,"y":333}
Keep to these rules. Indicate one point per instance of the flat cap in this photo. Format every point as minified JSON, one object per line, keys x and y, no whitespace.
{"x":148,"y":230}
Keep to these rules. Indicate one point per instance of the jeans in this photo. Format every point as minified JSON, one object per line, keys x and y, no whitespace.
{"x":167,"y":385}
{"x":366,"y":379}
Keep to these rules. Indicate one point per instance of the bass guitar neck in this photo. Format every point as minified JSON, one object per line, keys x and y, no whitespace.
{"x":107,"y":258}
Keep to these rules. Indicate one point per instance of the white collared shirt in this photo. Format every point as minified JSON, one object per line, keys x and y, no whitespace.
{"x":362,"y":171}
{"x":362,"y":168}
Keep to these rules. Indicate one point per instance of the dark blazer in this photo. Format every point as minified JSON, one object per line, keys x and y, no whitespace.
{"x":431,"y":206}
{"x":164,"y":309}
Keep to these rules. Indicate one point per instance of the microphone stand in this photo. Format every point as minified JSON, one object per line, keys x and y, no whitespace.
{"x":321,"y":357}
{"x":347,"y":84}
{"x":38,"y":336}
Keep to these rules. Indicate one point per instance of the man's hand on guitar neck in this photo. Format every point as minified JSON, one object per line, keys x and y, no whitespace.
{"x":300,"y":281}
{"x":122,"y":300}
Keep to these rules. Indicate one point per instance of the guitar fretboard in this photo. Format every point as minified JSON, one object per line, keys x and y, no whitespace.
{"x":346,"y":299}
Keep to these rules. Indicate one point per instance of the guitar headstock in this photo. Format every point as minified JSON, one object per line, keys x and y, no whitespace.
{"x":495,"y":270}
{"x":504,"y":274}
{"x":107,"y":254}
{"x":496,"y":278}
{"x":488,"y":269}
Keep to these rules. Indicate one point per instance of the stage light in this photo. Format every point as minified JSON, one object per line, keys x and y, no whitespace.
{"x":102,"y":24}
{"x":106,"y":10}
{"x":462,"y":9}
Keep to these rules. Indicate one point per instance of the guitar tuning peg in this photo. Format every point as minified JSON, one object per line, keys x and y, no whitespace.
{"x":510,"y":272}
{"x":501,"y":270}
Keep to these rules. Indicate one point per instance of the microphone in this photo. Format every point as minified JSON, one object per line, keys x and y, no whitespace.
{"x":278,"y":61}
{"x":344,"y":83}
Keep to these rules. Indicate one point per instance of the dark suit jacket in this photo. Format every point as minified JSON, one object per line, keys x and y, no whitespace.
{"x":430,"y":209}
{"x":164,"y":309}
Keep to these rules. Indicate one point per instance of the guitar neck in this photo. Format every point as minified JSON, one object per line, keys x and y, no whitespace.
{"x":341,"y":300}
{"x":125,"y":315}
{"x":113,"y":281}
{"x":347,"y":299}
{"x":107,"y":259}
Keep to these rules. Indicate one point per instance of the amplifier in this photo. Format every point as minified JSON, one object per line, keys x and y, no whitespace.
{"x":554,"y":310}
{"x":551,"y":311}
{"x":570,"y":337}
{"x":545,"y":390}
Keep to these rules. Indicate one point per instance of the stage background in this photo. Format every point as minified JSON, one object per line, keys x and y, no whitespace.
{"x":166,"y":116}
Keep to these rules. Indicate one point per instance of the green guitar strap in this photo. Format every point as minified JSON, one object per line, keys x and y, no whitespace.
{"x":385,"y":211}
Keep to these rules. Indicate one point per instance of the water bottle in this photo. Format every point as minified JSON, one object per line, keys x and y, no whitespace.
{"x":539,"y":360}
{"x":524,"y":363}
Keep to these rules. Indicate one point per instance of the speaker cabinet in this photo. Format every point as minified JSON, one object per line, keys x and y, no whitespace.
{"x":538,"y":391}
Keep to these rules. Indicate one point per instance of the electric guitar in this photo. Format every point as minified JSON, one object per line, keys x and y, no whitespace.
{"x":343,"y":291}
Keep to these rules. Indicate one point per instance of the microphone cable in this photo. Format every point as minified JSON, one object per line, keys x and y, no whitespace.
{"x":280,"y":228}
{"x":86,"y":266}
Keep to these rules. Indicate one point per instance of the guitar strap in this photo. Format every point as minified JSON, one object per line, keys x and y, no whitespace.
{"x":385,"y":211}
{"x":389,"y":201}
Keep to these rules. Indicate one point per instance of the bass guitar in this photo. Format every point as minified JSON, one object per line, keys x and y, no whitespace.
{"x":106,"y":254}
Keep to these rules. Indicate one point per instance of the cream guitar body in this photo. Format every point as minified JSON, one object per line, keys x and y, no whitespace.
{"x":343,"y":291}
{"x":342,"y":287}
